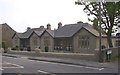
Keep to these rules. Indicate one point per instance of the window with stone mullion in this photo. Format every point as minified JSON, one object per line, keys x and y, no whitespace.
{"x":83,"y":41}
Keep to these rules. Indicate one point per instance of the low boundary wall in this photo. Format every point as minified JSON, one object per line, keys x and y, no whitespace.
{"x":56,"y":55}
{"x":115,"y":52}
{"x":91,"y":57}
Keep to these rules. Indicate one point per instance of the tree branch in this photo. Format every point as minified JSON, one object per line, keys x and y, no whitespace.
{"x":91,"y":12}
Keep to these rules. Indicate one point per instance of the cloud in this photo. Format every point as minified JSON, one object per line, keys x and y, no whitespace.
{"x":33,"y":13}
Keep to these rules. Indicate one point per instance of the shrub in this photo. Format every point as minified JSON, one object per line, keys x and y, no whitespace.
{"x":13,"y":48}
{"x":28,"y":49}
{"x":3,"y":45}
{"x":21,"y":49}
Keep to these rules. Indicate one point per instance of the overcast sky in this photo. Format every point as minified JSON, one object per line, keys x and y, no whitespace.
{"x":20,"y":14}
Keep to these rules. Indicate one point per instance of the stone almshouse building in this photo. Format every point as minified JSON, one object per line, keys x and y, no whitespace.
{"x":6,"y":34}
{"x":77,"y":38}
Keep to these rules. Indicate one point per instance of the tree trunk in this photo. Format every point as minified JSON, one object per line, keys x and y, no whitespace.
{"x":109,"y":39}
{"x":109,"y":35}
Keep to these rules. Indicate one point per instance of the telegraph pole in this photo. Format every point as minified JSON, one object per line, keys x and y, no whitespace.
{"x":100,"y":34}
{"x":79,"y":2}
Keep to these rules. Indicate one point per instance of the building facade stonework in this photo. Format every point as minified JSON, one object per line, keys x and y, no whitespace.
{"x":16,"y":41}
{"x":34,"y":41}
{"x":75,"y":38}
{"x":7,"y":33}
{"x":47,"y":41}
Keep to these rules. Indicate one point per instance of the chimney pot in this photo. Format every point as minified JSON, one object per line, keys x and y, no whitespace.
{"x":28,"y":28}
{"x":41,"y":26}
{"x":79,"y":22}
{"x":48,"y":26}
{"x":59,"y":25}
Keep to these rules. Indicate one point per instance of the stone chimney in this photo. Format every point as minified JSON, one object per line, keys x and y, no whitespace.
{"x":59,"y":25}
{"x":48,"y":26}
{"x":79,"y":22}
{"x":41,"y":27}
{"x":28,"y":28}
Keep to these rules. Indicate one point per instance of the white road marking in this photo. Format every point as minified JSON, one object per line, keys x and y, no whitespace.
{"x":1,"y":69}
{"x":8,"y":57}
{"x":15,"y":58}
{"x":101,"y":69}
{"x":31,"y":60}
{"x":17,"y":66}
{"x":24,"y":57}
{"x":12,"y":67}
{"x":95,"y":68}
{"x":72,"y":65}
{"x":44,"y":62}
{"x":43,"y":72}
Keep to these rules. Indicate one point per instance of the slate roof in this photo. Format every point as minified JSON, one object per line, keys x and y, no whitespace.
{"x":8,"y":26}
{"x":71,"y":29}
{"x":19,"y":34}
{"x":38,"y":29}
{"x":65,"y":31}
{"x":51,"y":32}
{"x":27,"y":34}
{"x":93,"y":31}
{"x":39,"y":33}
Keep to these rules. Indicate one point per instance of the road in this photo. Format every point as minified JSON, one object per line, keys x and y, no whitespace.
{"x":23,"y":65}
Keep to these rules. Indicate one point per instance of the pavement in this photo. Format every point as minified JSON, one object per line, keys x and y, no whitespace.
{"x":69,"y":61}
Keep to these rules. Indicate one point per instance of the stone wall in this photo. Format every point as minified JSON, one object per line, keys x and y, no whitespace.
{"x":89,"y":57}
{"x":15,"y":41}
{"x":7,"y":33}
{"x":51,"y":42}
{"x":92,"y":42}
{"x":34,"y":41}
{"x":115,"y":52}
